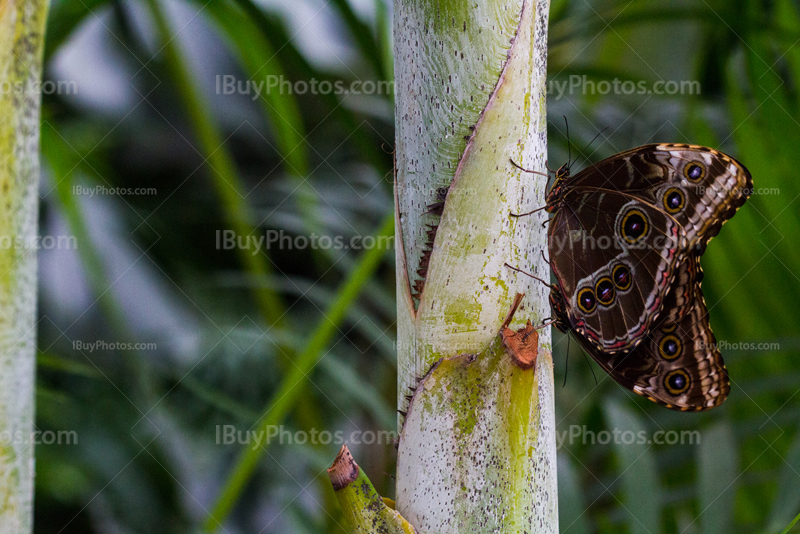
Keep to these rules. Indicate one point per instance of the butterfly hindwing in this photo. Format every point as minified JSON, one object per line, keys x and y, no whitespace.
{"x":680,"y":298}
{"x":678,"y":365}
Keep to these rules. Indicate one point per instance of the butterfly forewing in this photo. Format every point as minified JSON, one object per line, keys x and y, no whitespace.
{"x":699,"y":187}
{"x":614,"y":258}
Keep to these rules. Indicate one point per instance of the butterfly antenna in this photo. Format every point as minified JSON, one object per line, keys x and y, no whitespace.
{"x":569,"y":145}
{"x":592,"y":141}
{"x":590,"y":365}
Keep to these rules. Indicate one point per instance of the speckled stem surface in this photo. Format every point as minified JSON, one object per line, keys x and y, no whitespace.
{"x":22,"y":25}
{"x":477,"y":450}
{"x":365,"y":512}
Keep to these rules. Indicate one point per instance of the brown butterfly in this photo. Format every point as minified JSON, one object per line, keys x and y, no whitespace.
{"x":624,"y":242}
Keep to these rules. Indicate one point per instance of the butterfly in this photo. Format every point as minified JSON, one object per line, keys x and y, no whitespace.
{"x":625,"y":239}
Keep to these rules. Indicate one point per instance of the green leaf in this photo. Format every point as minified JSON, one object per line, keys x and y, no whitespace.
{"x":787,"y":501}
{"x":718,"y":473}
{"x":290,"y":390}
{"x":64,"y":365}
{"x":282,"y":42}
{"x":262,"y":64}
{"x":637,"y":468}
{"x":363,"y":36}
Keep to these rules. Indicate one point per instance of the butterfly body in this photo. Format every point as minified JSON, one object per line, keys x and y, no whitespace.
{"x":625,"y":239}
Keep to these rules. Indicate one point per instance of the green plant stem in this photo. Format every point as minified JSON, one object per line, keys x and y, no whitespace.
{"x":22,"y":25}
{"x":364,"y":511}
{"x":793,"y":523}
{"x":290,"y":390}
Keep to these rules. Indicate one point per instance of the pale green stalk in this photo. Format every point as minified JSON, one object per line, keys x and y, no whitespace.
{"x":477,"y":449}
{"x":22,"y":24}
{"x":365,"y":512}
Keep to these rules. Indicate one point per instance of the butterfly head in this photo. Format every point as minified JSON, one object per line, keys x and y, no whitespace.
{"x":557,"y":189}
{"x":559,"y":310}
{"x":563,"y":172}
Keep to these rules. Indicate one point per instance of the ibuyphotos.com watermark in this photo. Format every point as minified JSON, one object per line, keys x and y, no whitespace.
{"x":38,"y":242}
{"x":39,"y":437}
{"x":586,"y":241}
{"x":578,"y":84}
{"x":101,"y":190}
{"x":745,"y":191}
{"x":576,"y":434}
{"x":280,"y":240}
{"x":101,"y":345}
{"x":579,"y":434}
{"x":279,"y":435}
{"x":228,"y":84}
{"x":724,"y":345}
{"x":35,"y":87}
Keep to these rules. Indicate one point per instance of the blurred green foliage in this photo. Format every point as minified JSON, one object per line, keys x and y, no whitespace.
{"x":193,"y":336}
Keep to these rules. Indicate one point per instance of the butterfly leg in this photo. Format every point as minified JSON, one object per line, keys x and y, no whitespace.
{"x":520,"y":167}
{"x":544,"y":325}
{"x":517,"y":215}
{"x":529,"y":274}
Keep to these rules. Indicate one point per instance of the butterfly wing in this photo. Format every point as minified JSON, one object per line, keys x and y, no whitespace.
{"x":678,"y":364}
{"x":683,"y":193}
{"x":680,"y":298}
{"x":614,"y":258}
{"x":699,"y":187}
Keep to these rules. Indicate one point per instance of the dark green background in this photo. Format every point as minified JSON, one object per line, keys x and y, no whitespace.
{"x":228,"y":325}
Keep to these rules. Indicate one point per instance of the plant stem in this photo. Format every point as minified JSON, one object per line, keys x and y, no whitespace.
{"x":477,"y":449}
{"x":22,"y":24}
